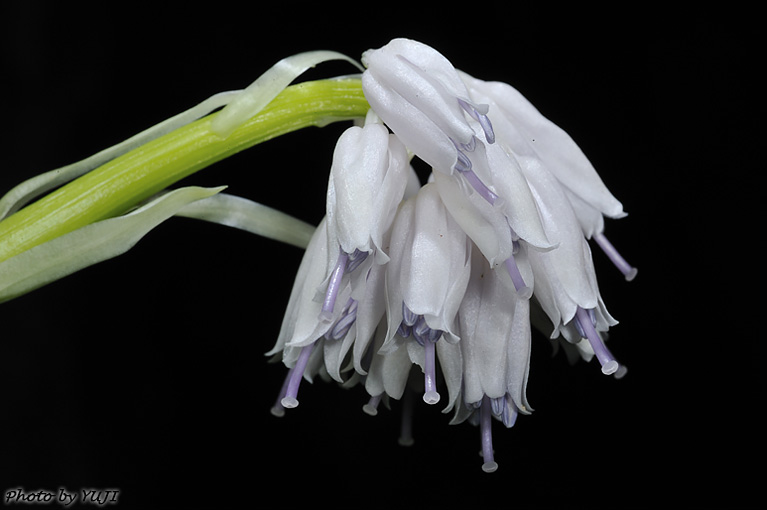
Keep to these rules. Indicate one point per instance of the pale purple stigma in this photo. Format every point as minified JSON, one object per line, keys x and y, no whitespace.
{"x":371,"y":408}
{"x":290,"y":399}
{"x":623,"y":266}
{"x":485,"y":427}
{"x":585,"y":324}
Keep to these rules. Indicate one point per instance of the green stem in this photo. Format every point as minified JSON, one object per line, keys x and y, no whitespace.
{"x":120,"y":184}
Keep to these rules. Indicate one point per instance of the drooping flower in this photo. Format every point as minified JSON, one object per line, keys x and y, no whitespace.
{"x":460,"y":263}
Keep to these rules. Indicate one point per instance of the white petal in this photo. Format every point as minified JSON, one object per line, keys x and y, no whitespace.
{"x":419,"y":133}
{"x":518,"y":353}
{"x":300,"y":322}
{"x":570,"y":263}
{"x":451,"y":364}
{"x":551,"y":143}
{"x":434,"y":275}
{"x":485,"y":225}
{"x":370,"y":313}
{"x":367,"y":181}
{"x":424,"y":78}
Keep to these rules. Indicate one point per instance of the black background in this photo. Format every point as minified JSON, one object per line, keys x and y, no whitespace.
{"x":147,"y":373}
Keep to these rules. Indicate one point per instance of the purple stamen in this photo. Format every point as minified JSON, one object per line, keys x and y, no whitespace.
{"x":480,"y":187}
{"x":348,"y":318}
{"x":523,"y":291}
{"x":278,"y":409}
{"x":409,"y":318}
{"x":334,"y":286}
{"x":371,"y":407}
{"x":356,"y":258}
{"x":483,"y":120}
{"x":623,"y":266}
{"x":296,"y":374}
{"x":585,"y":323}
{"x":464,"y":163}
{"x":430,"y":395}
{"x":423,"y":333}
{"x":485,"y":426}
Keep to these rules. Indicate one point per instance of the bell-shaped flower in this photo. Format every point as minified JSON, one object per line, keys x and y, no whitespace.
{"x":421,"y":97}
{"x":535,"y":139}
{"x":495,"y":338}
{"x":367,"y":181}
{"x":528,"y":133}
{"x":426,"y":278}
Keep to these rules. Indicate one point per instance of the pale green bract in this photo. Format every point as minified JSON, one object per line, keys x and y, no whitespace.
{"x":36,"y":186}
{"x":244,"y":214}
{"x":91,"y":244}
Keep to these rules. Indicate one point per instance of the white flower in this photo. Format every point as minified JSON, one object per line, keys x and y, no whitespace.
{"x":459,"y":264}
{"x":535,"y":140}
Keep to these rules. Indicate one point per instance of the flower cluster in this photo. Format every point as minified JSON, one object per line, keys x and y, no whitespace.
{"x":431,"y":285}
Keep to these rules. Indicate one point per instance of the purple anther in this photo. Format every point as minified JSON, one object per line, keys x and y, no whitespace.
{"x":624,"y":267}
{"x":481,"y":188}
{"x":584,"y":321}
{"x":371,"y":408}
{"x":423,"y":333}
{"x":345,"y":322}
{"x":523,"y":291}
{"x":485,"y":427}
{"x":510,"y":412}
{"x":296,"y":374}
{"x":463,"y":164}
{"x":356,"y":258}
{"x":430,"y":395}
{"x":334,"y":286}
{"x":483,"y":120}
{"x":409,"y":318}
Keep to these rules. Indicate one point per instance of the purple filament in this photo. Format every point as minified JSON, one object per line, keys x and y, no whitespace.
{"x":480,"y":187}
{"x":296,"y":374}
{"x":345,"y":322}
{"x":585,"y":324}
{"x":334,"y":286}
{"x":523,"y":291}
{"x":483,"y":120}
{"x":485,"y":426}
{"x":623,"y":266}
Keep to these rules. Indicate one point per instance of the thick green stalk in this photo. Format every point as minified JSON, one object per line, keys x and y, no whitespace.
{"x":120,"y":184}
